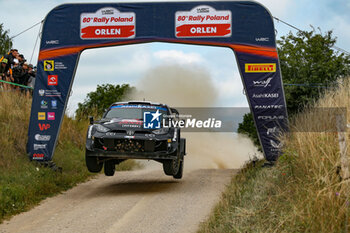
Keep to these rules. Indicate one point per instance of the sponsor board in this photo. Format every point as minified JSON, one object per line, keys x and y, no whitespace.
{"x":107,"y":23}
{"x":203,"y":21}
{"x":41,"y":116}
{"x":43,"y":127}
{"x":44,"y":138}
{"x":265,"y":95}
{"x":52,"y":80}
{"x":264,"y":83}
{"x":38,"y":156}
{"x":49,"y":65}
{"x":260,"y":67}
{"x":40,"y":146}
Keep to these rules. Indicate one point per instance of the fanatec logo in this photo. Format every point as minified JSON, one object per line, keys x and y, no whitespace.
{"x":263,"y":83}
{"x":268,"y":106}
{"x":265,"y":95}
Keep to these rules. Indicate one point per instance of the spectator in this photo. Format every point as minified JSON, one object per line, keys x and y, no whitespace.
{"x":6,"y":64}
{"x":31,"y":78}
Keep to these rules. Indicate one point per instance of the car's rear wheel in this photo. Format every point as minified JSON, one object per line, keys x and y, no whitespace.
{"x":92,"y":162}
{"x":109,"y":168}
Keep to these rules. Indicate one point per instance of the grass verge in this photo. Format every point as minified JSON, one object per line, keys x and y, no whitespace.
{"x":304,"y":192}
{"x":24,"y":184}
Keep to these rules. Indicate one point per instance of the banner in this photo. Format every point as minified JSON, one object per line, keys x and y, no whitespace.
{"x":244,"y":26}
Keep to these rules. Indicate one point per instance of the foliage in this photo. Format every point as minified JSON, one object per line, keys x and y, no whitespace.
{"x":5,"y":41}
{"x":247,"y":127}
{"x":98,"y":101}
{"x":309,"y":58}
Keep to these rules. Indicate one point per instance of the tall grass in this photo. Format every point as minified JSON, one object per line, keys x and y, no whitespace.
{"x":23,"y":183}
{"x":304,"y":192}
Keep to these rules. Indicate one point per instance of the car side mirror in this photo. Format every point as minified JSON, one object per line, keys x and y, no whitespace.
{"x":91,"y":120}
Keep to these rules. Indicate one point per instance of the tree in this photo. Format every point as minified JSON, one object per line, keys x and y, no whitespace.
{"x":5,"y":41}
{"x":247,"y":127}
{"x":98,"y":101}
{"x":308,"y":58}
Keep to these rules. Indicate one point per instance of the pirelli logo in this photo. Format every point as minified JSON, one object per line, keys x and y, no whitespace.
{"x":260,"y":68}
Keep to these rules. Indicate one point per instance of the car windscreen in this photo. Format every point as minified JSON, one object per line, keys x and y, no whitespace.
{"x":132,"y":111}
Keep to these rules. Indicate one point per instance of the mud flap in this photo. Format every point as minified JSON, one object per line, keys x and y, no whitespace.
{"x":183,"y":146}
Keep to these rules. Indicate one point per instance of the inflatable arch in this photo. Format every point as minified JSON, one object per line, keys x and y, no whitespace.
{"x":244,"y":26}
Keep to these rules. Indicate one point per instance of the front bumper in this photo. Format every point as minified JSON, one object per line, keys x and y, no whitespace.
{"x":138,"y":146}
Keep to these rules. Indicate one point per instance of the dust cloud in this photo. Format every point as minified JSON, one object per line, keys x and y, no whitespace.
{"x":188,"y":86}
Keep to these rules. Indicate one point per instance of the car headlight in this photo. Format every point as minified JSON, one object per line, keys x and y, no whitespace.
{"x":161,"y":131}
{"x":102,"y":129}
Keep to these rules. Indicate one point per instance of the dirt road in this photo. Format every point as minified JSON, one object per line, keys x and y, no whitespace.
{"x":135,"y":201}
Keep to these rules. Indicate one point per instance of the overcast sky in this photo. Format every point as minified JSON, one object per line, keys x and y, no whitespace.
{"x":101,"y":65}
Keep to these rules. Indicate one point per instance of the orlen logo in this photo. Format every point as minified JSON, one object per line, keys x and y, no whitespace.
{"x":260,"y":68}
{"x":52,"y":80}
{"x":38,"y":156}
{"x":43,"y":127}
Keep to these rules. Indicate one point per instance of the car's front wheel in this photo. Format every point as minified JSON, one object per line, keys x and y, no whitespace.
{"x":92,"y":162}
{"x":109,"y":168}
{"x":174,"y":167}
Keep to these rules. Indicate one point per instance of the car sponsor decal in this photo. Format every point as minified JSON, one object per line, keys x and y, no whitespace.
{"x":260,"y":67}
{"x":203,"y":21}
{"x":139,"y":106}
{"x":107,"y":23}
